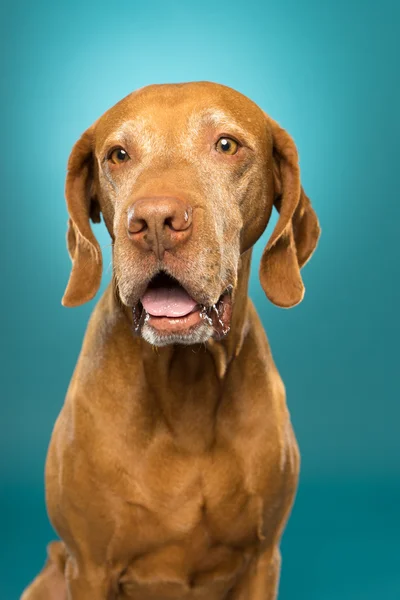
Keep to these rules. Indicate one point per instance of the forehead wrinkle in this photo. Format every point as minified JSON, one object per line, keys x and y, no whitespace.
{"x":138,"y":130}
{"x":218,"y":118}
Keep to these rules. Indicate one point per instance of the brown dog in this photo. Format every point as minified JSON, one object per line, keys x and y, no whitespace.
{"x":173,"y":465}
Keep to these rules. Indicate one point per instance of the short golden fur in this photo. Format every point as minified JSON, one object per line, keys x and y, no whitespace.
{"x":171,"y":473}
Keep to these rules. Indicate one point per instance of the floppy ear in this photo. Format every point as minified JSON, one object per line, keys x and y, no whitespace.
{"x":82,"y":206}
{"x":297,"y":231}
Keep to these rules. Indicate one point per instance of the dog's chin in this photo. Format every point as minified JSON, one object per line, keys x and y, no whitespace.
{"x":167,"y":314}
{"x":163,"y":337}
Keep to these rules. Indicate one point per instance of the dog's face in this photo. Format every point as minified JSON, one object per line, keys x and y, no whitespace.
{"x":186,"y":177}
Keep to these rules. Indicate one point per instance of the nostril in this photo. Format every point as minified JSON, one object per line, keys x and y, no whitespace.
{"x":180,"y":221}
{"x":168,"y":222}
{"x":136,"y":226}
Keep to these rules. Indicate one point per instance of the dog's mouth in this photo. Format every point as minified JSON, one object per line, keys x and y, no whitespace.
{"x":169,"y":309}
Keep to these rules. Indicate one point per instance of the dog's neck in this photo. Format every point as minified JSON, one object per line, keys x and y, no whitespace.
{"x":187,"y":382}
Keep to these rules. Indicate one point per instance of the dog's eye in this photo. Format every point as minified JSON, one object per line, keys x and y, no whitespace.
{"x":118,"y":156}
{"x":227,"y":145}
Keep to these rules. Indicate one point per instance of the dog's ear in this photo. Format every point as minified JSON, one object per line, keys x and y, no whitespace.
{"x":82,"y":206}
{"x":297,"y":231}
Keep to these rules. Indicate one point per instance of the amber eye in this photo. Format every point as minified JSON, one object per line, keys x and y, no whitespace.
{"x":118,"y":156}
{"x":227,"y":145}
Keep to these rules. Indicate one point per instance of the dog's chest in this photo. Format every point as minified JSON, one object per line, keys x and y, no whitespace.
{"x":191,"y":520}
{"x":188,"y":492}
{"x":170,"y":494}
{"x":162,"y":513}
{"x":166,"y":490}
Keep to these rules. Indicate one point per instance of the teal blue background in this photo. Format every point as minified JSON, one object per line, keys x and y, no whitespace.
{"x":329,"y":73}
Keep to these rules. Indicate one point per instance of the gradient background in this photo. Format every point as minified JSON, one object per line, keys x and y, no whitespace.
{"x":329,"y":73}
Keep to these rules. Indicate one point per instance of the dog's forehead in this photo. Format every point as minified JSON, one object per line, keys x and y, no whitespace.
{"x":180,"y":108}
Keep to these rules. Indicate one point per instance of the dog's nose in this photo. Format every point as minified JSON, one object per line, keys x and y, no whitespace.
{"x":159,"y":223}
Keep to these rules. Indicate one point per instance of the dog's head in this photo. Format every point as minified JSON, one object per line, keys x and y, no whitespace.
{"x":186,"y":177}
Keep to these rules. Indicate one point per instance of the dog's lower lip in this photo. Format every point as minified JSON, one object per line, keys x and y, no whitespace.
{"x":170,"y":324}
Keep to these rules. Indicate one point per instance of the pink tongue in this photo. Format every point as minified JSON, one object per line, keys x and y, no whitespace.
{"x":167,"y":302}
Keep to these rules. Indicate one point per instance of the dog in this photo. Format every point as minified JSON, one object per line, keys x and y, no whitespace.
{"x":173,"y":466}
